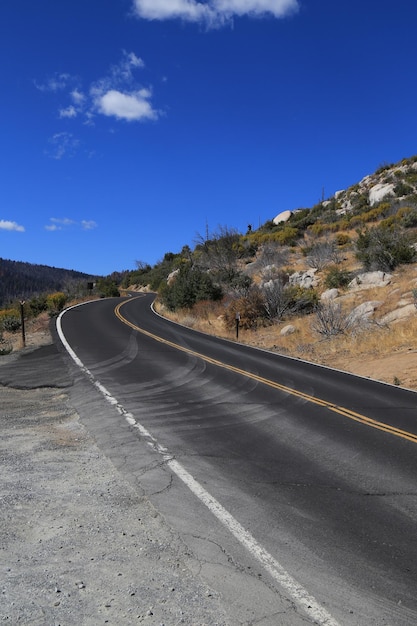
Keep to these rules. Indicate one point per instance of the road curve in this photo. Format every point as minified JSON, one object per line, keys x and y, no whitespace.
{"x":318,"y":466}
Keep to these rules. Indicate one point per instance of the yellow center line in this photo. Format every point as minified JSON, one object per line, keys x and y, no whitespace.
{"x":357,"y":417}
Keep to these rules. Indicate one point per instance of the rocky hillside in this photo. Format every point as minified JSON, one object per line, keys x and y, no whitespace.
{"x":334,"y":284}
{"x":395,"y":183}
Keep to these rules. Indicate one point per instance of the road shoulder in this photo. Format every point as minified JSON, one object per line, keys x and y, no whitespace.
{"x":80,"y":545}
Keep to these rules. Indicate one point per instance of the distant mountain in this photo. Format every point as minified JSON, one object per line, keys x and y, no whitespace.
{"x":20,"y":280}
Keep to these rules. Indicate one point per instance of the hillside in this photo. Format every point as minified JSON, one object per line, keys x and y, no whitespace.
{"x":335,"y":284}
{"x":19,"y":280}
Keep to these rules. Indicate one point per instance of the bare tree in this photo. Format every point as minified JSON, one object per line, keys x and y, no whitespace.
{"x":272,"y":259}
{"x":331,"y":320}
{"x":278,"y":298}
{"x":219,"y":251}
{"x":322,"y":254}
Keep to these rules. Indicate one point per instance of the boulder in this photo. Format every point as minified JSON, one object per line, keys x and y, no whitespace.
{"x":379,"y":192}
{"x":369,"y":280}
{"x":289,"y":329}
{"x":305,"y":279}
{"x":282,"y":217}
{"x":399,"y":314}
{"x":329,"y":294}
{"x":172,"y":276}
{"x":363,"y":311}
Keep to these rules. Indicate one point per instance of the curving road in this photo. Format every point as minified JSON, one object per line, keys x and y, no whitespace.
{"x":294,"y":485}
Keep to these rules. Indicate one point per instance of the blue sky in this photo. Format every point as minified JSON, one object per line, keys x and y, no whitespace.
{"x":130,"y":126}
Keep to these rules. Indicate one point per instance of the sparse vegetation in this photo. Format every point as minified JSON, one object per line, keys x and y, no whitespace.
{"x":229,"y":273}
{"x":384,"y":248}
{"x":336,"y":277}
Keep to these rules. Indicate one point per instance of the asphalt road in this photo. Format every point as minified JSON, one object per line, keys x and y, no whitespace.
{"x":317,"y":467}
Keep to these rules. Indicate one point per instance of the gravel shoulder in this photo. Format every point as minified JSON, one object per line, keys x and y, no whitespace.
{"x":79,"y":544}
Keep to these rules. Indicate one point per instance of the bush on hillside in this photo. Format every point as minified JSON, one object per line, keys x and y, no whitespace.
{"x":330,"y":320}
{"x":56,"y":302}
{"x":336,"y":278}
{"x":190,"y":285}
{"x":282,"y":299}
{"x":251,"y":311}
{"x":37,"y":305}
{"x":10,"y":320}
{"x":383,"y":248}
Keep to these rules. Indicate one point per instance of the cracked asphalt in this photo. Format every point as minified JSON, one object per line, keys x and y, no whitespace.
{"x":81,"y":542}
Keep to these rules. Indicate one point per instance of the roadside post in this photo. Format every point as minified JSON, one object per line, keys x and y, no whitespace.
{"x":22,"y":320}
{"x":237,"y":317}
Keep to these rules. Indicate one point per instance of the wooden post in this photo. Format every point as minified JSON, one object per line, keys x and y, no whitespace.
{"x":22,"y":319}
{"x":237,"y":325}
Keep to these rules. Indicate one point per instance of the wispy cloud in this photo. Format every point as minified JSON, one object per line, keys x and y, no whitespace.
{"x":88,"y":224}
{"x":212,"y":12}
{"x":12,"y":226}
{"x":64,"y":223}
{"x":62,"y":145}
{"x":57,"y":82}
{"x":70,"y":111}
{"x":117,"y":95}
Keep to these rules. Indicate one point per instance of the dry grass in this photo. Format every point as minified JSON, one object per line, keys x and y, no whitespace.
{"x":381,"y":351}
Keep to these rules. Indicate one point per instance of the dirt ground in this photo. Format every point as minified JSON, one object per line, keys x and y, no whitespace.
{"x":79,"y":546}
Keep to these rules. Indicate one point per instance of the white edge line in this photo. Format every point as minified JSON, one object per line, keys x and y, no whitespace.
{"x":296,"y":591}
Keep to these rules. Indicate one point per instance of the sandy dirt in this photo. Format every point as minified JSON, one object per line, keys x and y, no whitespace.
{"x":79,"y":545}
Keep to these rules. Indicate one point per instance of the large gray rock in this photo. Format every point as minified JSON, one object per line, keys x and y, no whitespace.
{"x":284,"y":216}
{"x":363,"y":311}
{"x":369,"y":280}
{"x":329,"y":294}
{"x":399,"y":314}
{"x":379,"y":192}
{"x":289,"y":329}
{"x":305,"y":279}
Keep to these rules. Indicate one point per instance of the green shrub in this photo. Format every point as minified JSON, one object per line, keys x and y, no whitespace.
{"x":5,"y":348}
{"x":342,"y":239}
{"x":409,"y":219}
{"x":10,"y":320}
{"x":402,"y":189}
{"x":251,"y":310}
{"x":384,"y":248}
{"x":12,"y":324}
{"x":56,"y":302}
{"x":37,"y":305}
{"x":188,"y":287}
{"x":337,"y":278}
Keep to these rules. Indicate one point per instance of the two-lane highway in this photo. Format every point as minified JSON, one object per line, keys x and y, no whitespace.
{"x":311,"y":472}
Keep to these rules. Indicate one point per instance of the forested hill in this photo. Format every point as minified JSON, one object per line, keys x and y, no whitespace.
{"x":23,"y":280}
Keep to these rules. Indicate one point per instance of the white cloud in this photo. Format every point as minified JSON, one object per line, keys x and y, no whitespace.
{"x":134,"y":60}
{"x":63,"y":144}
{"x":167,"y":9}
{"x":78,"y":97}
{"x":116,"y":95}
{"x":127,"y":106}
{"x":88,"y":224}
{"x":7,"y":225}
{"x":213,"y":12}
{"x":59,"y":223}
{"x":63,"y":223}
{"x":70,"y":111}
{"x":58,"y":82}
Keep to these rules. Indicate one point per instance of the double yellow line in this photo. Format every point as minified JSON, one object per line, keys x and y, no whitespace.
{"x":357,"y":417}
